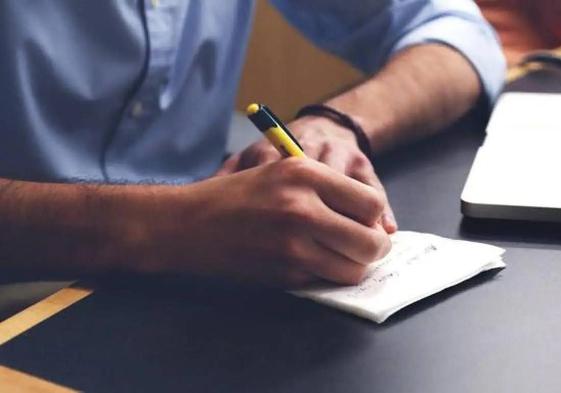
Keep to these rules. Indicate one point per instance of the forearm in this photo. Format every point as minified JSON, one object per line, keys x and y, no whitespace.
{"x":69,"y":227}
{"x":419,"y":91}
{"x":247,"y":226}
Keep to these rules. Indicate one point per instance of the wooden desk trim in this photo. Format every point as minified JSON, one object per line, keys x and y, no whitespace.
{"x":41,"y":311}
{"x":18,"y":382}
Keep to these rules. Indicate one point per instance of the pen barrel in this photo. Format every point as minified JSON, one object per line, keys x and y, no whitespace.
{"x":273,"y":129}
{"x":283,"y":143}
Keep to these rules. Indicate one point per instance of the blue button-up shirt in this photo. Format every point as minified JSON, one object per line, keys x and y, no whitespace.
{"x":143,"y":91}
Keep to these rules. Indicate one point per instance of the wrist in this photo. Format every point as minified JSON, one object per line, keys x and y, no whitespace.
{"x":164,"y":229}
{"x":343,"y":120}
{"x":318,"y":125}
{"x":138,"y":220}
{"x":373,"y":109}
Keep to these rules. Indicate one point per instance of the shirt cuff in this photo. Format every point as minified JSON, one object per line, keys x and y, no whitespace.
{"x":474,"y":39}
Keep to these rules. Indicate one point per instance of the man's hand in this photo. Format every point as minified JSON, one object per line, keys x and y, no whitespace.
{"x":285,"y":223}
{"x":324,"y":141}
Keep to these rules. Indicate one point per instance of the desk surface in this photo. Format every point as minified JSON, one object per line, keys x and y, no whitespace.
{"x":496,"y":333}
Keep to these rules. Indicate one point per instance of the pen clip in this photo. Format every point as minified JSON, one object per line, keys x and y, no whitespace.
{"x":280,"y":124}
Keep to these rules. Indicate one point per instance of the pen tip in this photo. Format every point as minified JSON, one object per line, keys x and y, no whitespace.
{"x":252,"y":109}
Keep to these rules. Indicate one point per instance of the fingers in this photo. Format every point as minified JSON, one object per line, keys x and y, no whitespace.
{"x":388,"y":221}
{"x":340,"y":193}
{"x":357,"y":166}
{"x":361,"y":169}
{"x":329,"y":265}
{"x":357,"y":242}
{"x":331,"y":247}
{"x":350,"y":197}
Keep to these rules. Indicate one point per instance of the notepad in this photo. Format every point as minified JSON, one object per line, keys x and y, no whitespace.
{"x":419,"y":265}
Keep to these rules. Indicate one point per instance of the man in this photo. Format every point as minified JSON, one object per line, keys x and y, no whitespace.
{"x":113,"y":116}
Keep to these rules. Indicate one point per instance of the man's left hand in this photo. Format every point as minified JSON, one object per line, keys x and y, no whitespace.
{"x":324,"y":141}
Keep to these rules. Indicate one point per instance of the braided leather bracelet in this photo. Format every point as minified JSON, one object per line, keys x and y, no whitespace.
{"x":341,"y":119}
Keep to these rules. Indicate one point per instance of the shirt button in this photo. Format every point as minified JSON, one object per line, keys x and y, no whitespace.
{"x":137,"y":109}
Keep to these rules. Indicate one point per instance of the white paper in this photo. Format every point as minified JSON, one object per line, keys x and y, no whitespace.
{"x":418,"y":266}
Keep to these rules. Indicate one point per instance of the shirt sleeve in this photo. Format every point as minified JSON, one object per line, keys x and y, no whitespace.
{"x":368,"y":32}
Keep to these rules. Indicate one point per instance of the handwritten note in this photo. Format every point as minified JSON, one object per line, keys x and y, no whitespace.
{"x":418,"y":266}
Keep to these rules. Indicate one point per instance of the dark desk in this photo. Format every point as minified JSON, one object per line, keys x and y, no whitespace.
{"x":496,"y":333}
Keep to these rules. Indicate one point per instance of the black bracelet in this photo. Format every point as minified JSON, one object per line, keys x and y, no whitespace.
{"x":341,"y":119}
{"x":543,"y":57}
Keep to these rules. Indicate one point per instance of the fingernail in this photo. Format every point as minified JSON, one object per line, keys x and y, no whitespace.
{"x":389,"y":223}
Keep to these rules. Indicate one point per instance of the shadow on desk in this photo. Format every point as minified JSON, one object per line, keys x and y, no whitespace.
{"x":431,"y":301}
{"x":187,"y":332}
{"x":521,"y":233}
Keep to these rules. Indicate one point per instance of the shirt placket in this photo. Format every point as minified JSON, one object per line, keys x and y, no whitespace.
{"x":161,"y":31}
{"x":160,"y":25}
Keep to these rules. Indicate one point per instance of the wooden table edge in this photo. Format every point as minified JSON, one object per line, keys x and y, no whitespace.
{"x":41,"y":311}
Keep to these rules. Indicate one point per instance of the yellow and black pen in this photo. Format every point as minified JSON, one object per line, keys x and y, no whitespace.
{"x":274,"y":130}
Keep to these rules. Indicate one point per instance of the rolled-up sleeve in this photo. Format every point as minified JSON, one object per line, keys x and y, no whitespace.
{"x":368,"y":32}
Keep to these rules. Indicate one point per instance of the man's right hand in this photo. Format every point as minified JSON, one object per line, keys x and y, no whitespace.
{"x":283,"y":224}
